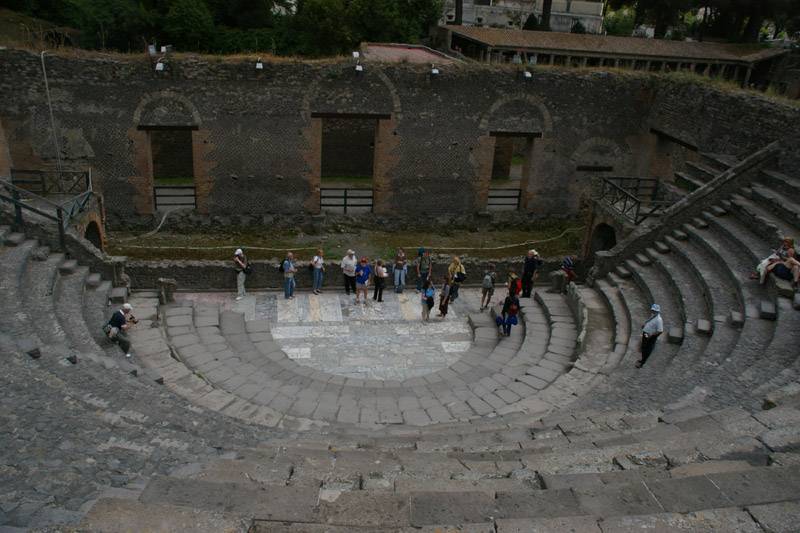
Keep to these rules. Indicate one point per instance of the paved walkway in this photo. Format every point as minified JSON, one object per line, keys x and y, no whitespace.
{"x":380,"y":340}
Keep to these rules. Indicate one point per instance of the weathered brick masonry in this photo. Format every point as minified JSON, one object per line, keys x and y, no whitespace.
{"x":256,"y":134}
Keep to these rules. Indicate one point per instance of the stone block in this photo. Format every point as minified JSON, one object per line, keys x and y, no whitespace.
{"x":537,"y":504}
{"x":680,"y":235}
{"x":675,"y":335}
{"x":718,"y":211}
{"x":119,"y":295}
{"x":767,"y":310}
{"x":431,"y":508}
{"x":93,"y":280}
{"x":567,"y":524}
{"x":68,"y":266}
{"x":622,"y":272}
{"x":737,"y":319}
{"x":108,"y":514}
{"x":359,"y":509}
{"x":758,"y":485}
{"x":796,"y":301}
{"x":661,"y":247}
{"x":708,"y":521}
{"x":643,"y":259}
{"x":704,"y":327}
{"x":699,"y":223}
{"x":687,"y":494}
{"x":617,"y":500}
{"x":782,"y":517}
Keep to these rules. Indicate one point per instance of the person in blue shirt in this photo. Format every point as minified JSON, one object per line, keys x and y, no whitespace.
{"x":363,"y":272}
{"x":428,"y":292}
{"x":289,"y":271}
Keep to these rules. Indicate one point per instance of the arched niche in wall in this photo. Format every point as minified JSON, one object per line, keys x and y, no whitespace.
{"x":367,"y":104}
{"x":515,"y":132}
{"x":170,"y":153}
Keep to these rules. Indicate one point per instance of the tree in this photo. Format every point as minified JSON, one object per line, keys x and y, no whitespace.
{"x":619,"y":22}
{"x":531,"y":23}
{"x":547,"y":8}
{"x":189,"y":25}
{"x":321,"y":28}
{"x":118,"y":24}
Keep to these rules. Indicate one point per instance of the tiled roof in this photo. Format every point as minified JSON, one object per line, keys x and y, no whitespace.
{"x":614,"y":46}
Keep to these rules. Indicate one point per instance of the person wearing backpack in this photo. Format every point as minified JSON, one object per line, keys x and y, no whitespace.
{"x":457,"y":274}
{"x":509,"y":315}
{"x":487,"y":286}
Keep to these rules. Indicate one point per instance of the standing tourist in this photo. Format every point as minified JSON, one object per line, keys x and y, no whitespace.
{"x":318,"y":269}
{"x":457,"y":274}
{"x":363,"y":272}
{"x":514,"y":284}
{"x":424,"y":266}
{"x":349,"y":263}
{"x":116,"y":329}
{"x":651,"y":330}
{"x":568,"y":267}
{"x":487,"y":286}
{"x":240,"y":263}
{"x":381,"y":273}
{"x":530,"y":271}
{"x":428,"y":292}
{"x":289,"y":271}
{"x":400,"y":269}
{"x":509,"y":314}
{"x":445,"y":297}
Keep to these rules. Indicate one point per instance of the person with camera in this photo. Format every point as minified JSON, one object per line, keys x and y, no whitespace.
{"x":116,"y":329}
{"x":242,"y":269}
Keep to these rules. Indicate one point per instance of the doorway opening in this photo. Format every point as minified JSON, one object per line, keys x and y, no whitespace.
{"x":92,"y":234}
{"x":511,"y":165}
{"x":172,"y":153}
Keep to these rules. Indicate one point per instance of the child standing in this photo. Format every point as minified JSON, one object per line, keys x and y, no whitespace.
{"x":510,"y":311}
{"x":487,"y":287}
{"x":428,"y":292}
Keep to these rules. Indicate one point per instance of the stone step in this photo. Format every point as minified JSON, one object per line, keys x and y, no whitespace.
{"x":718,"y":211}
{"x":661,"y":247}
{"x":612,"y":497}
{"x":68,"y":266}
{"x":116,"y":515}
{"x":700,"y":171}
{"x":784,"y":208}
{"x":14,"y":239}
{"x":643,"y":259}
{"x":767,"y":310}
{"x":785,"y":185}
{"x":688,"y":182}
{"x":93,"y":281}
{"x":699,"y":223}
{"x":720,"y":162}
{"x":623,"y":272}
{"x":680,"y":235}
{"x":119,"y":295}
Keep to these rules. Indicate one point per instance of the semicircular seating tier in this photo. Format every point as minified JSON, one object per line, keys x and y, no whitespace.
{"x":213,"y":427}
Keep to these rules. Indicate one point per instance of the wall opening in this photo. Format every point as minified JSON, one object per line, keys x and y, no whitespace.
{"x":172,"y":153}
{"x":603,"y":238}
{"x":511,"y":164}
{"x":348,"y":161}
{"x":92,"y":234}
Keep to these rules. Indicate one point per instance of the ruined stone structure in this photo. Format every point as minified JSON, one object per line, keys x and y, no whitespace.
{"x":218,"y":423}
{"x":256,"y":135}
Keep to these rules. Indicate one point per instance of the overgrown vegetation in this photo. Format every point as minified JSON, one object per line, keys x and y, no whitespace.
{"x":372,"y":243}
{"x":281,"y":27}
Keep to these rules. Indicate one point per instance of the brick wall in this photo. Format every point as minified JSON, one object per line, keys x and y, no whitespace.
{"x":257,"y":146}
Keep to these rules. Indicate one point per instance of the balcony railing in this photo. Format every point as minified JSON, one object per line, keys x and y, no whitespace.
{"x":636,"y":199}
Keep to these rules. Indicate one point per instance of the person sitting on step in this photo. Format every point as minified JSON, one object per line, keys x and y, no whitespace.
{"x":116,"y":329}
{"x":768,"y":263}
{"x":787,"y":268}
{"x":651,"y":330}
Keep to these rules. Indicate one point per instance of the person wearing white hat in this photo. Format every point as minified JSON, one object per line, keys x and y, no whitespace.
{"x":240,"y":263}
{"x":529,"y":272}
{"x":349,"y":263}
{"x":116,"y":329}
{"x":651,"y":330}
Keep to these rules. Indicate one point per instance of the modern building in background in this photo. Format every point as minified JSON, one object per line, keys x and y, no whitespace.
{"x":514,"y":13}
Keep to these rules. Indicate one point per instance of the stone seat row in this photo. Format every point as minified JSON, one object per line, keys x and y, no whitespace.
{"x":241,"y":357}
{"x":721,"y":463}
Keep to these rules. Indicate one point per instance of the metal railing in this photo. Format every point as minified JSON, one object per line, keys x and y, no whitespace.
{"x":503,"y":199}
{"x":51,"y":182}
{"x":61,"y":213}
{"x":342,"y":199}
{"x":636,"y":199}
{"x":174,"y":196}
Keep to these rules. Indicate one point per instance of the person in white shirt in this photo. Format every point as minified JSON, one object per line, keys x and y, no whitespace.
{"x":318,"y":265}
{"x":652,"y":329}
{"x":349,"y":263}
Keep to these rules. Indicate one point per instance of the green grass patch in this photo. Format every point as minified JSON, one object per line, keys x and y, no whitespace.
{"x":215,"y":243}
